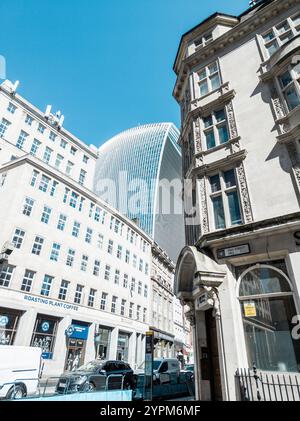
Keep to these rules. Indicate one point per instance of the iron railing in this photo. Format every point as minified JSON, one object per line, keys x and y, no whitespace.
{"x":254,"y":385}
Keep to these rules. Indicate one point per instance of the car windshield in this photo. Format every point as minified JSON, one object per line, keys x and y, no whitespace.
{"x":156,"y":365}
{"x":92,"y":366}
{"x":189,"y":367}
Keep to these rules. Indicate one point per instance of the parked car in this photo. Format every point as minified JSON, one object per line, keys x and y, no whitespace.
{"x":163,"y":368}
{"x":20,"y":368}
{"x":93,"y":376}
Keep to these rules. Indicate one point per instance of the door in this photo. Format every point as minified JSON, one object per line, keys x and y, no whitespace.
{"x":75,"y":354}
{"x":213,"y":367}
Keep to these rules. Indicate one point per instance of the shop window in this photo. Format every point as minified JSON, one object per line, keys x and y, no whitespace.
{"x":44,"y":333}
{"x":102,"y":341}
{"x":268,"y":307}
{"x":9,"y":320}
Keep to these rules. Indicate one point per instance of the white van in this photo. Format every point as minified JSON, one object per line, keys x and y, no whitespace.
{"x":19,"y":371}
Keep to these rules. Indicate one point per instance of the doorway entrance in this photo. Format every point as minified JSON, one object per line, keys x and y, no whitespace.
{"x":214,"y":373}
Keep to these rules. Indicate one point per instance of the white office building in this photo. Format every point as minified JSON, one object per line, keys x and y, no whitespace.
{"x":77,"y":282}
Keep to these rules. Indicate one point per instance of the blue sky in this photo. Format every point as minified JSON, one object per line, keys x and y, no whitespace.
{"x":106,"y":64}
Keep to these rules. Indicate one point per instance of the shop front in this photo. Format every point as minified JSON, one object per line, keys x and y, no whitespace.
{"x":44,"y":334}
{"x":76,"y":338}
{"x":9,"y":321}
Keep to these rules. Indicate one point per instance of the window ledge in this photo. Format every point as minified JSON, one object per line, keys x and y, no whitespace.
{"x":214,"y":98}
{"x":233,"y":143}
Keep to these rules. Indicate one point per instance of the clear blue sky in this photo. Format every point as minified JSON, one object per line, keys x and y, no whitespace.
{"x":107,"y":64}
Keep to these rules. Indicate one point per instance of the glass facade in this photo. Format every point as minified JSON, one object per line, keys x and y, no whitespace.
{"x":135,"y":161}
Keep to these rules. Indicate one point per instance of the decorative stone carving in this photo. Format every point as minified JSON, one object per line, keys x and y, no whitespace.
{"x":278,"y":107}
{"x":197,"y":132}
{"x":235,"y":147}
{"x":213,"y":296}
{"x":245,"y":198}
{"x":231,"y":120}
{"x":204,"y":207}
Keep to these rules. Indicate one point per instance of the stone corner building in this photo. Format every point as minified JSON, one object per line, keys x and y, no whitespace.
{"x":238,"y":85}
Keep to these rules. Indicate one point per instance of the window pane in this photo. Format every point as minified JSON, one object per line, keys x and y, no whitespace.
{"x":208,"y":121}
{"x":229,"y":177}
{"x":203,"y":88}
{"x":210,"y":139}
{"x":213,"y":68}
{"x":285,"y":79}
{"x":202,"y":74}
{"x":269,"y":36}
{"x":268,"y":335}
{"x":218,"y":212}
{"x":292,"y":98}
{"x":215,"y":183}
{"x":272,"y":48}
{"x":223,"y":133}
{"x":215,"y":81}
{"x":263,"y":280}
{"x":283,"y":28}
{"x":220,"y":115}
{"x":234,"y":208}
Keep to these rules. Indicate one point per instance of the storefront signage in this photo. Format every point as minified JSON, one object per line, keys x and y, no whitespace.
{"x":47,"y":355}
{"x":77,"y":332}
{"x":45,"y":327}
{"x":50,"y":303}
{"x":233,"y":251}
{"x":3,"y":321}
{"x":297,"y":238}
{"x":250,"y":309}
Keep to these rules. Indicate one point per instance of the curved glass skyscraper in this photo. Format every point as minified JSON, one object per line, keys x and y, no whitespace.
{"x":134,"y":172}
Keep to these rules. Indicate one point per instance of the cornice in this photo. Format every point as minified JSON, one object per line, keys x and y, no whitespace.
{"x":231,"y":159}
{"x":286,"y":223}
{"x":237,"y":33}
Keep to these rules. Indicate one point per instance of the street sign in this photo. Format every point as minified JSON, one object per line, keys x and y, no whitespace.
{"x":233,"y":251}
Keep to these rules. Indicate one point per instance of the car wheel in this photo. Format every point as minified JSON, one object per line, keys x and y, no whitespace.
{"x":17,"y":392}
{"x":89,"y":387}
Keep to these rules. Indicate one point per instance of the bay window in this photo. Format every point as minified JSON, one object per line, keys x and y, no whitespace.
{"x":290,"y":86}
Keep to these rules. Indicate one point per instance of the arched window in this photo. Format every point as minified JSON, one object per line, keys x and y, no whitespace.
{"x":268,"y":307}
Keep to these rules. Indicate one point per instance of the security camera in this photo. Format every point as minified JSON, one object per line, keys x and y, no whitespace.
{"x":6,"y":251}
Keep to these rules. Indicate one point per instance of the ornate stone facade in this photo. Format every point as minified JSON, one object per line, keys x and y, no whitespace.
{"x":245,"y":198}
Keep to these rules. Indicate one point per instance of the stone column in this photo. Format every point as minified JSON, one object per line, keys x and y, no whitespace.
{"x":25,"y":328}
{"x":132,"y":350}
{"x":113,"y":343}
{"x":90,"y":352}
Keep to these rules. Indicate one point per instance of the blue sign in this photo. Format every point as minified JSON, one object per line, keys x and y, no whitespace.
{"x":4,"y":321}
{"x":45,"y":327}
{"x":47,"y":355}
{"x":77,"y":332}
